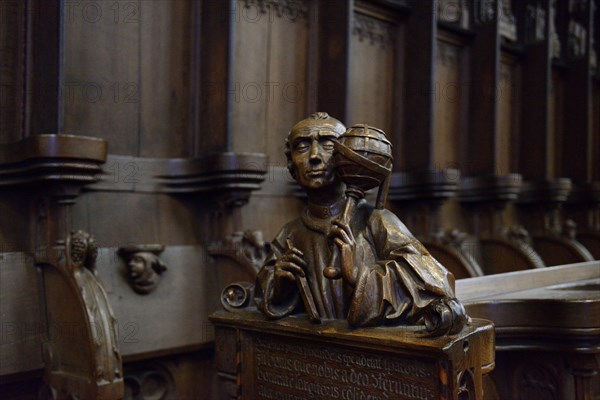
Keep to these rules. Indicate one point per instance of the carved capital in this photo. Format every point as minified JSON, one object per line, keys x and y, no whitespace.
{"x":291,"y":10}
{"x":373,"y":30}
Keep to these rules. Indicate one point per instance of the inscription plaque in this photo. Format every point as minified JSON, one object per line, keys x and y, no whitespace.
{"x":292,"y":359}
{"x":309,"y":369}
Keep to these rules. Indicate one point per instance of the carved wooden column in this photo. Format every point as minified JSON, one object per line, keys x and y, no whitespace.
{"x":543,"y":193}
{"x":424,"y":185}
{"x":486,"y":191}
{"x":80,"y":349}
{"x":578,"y":160}
{"x":81,"y":353}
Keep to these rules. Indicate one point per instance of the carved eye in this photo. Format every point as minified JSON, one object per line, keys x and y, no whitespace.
{"x":327,"y":144}
{"x":302,"y":146}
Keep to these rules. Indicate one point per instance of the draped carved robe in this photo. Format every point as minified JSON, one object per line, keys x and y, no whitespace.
{"x":396,"y":280}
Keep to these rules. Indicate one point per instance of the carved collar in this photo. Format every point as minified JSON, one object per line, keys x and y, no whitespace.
{"x":326,"y":211}
{"x":318,"y":218}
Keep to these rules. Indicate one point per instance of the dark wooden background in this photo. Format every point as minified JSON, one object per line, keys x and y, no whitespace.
{"x":180,"y":79}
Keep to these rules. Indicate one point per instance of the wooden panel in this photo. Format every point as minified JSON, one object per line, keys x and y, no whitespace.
{"x":259,"y":214}
{"x":578,"y":84}
{"x":12,"y":73}
{"x":248,"y":94}
{"x":102,"y":72}
{"x":371,"y":99}
{"x":508,"y":113}
{"x":448,"y":100}
{"x":287,"y":101}
{"x":175,"y":314}
{"x":479,"y":153}
{"x":133,"y":218}
{"x":214,"y":58}
{"x":419,"y":97}
{"x":277,"y":193}
{"x":164,"y":78}
{"x":535,"y":145}
{"x":555,"y":125}
{"x":335,"y":25}
{"x":21,"y":326}
{"x":13,"y":208}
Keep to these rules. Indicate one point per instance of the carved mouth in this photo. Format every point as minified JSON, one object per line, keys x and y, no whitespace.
{"x":316,"y":173}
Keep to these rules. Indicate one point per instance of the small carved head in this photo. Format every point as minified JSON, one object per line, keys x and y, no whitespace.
{"x":144,"y":270}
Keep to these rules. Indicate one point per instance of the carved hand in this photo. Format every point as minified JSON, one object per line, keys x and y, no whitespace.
{"x":290,"y":264}
{"x":343,"y":238}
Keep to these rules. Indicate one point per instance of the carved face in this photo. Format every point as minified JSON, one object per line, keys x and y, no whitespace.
{"x":138,"y":266}
{"x":311,"y":154}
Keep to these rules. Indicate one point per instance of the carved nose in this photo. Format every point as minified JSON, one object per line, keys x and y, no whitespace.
{"x":314,"y":151}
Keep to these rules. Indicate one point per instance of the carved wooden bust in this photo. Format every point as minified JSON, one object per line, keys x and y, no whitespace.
{"x":344,"y":258}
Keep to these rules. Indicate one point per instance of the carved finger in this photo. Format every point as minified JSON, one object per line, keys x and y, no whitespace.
{"x":282,"y":274}
{"x":342,"y":234}
{"x":347,"y":261}
{"x":291,"y":267}
{"x":297,"y":252}
{"x":345,"y":228}
{"x":293,"y":249}
{"x":294,"y":258}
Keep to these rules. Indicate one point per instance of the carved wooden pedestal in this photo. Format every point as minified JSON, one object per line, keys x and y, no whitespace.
{"x":295,"y":359}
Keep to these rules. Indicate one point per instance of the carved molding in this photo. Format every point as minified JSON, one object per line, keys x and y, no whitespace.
{"x":507,"y":21}
{"x":536,"y":380}
{"x":453,"y":12}
{"x":150,"y":382}
{"x":51,"y":158}
{"x":485,"y":11}
{"x":577,"y":30}
{"x":490,"y":188}
{"x":438,"y":184}
{"x":144,"y":267}
{"x":373,"y":30}
{"x":227,"y":176}
{"x":291,"y":10}
{"x":535,"y":23}
{"x":466,"y":385}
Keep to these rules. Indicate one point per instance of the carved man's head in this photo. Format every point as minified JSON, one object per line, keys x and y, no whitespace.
{"x":143,"y":270}
{"x":309,"y":150}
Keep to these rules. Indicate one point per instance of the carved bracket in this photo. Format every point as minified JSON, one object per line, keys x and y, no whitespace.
{"x":554,"y":237}
{"x":64,"y":162}
{"x":82,"y":357}
{"x":144,"y":267}
{"x":488,"y":197}
{"x":245,"y":248}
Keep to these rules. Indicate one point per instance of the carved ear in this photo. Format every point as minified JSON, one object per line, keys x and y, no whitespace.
{"x":158,"y":266}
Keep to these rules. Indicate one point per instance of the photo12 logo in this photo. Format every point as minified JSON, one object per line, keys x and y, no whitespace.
{"x":93,"y":12}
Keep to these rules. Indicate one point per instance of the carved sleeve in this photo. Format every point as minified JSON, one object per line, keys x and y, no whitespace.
{"x":404,"y":284}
